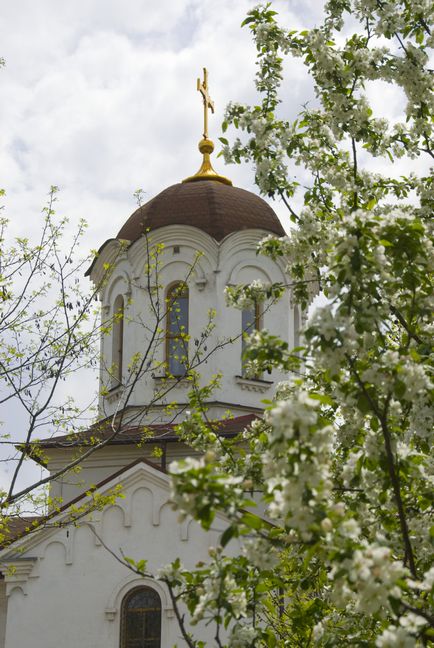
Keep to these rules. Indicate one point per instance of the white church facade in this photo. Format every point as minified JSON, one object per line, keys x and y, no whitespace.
{"x":63,"y":582}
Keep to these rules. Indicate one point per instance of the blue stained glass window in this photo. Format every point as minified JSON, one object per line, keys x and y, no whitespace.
{"x":177,"y":330}
{"x":117,"y":341}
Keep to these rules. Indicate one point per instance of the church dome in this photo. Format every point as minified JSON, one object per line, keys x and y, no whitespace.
{"x":214,"y":207}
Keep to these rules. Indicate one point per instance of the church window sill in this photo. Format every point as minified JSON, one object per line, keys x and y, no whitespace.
{"x":254,"y":384}
{"x":114,"y":393}
{"x":173,"y":381}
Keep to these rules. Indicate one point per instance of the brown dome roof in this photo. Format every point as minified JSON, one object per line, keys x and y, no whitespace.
{"x":213,"y":207}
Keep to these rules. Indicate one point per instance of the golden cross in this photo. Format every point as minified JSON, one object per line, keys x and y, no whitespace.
{"x":207,"y":102}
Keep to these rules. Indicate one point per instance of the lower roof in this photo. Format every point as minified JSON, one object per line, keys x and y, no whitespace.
{"x":132,"y":435}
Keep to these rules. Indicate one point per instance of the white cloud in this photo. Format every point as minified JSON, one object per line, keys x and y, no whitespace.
{"x":101,"y":100}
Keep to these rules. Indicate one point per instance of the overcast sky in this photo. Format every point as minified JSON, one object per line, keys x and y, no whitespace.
{"x":99,"y":97}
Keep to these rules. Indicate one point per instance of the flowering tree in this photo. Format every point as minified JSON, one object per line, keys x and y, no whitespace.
{"x":330,"y":495}
{"x":48,"y":331}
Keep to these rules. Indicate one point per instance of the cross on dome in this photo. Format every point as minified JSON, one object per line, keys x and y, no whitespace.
{"x":202,"y":87}
{"x":206,"y":146}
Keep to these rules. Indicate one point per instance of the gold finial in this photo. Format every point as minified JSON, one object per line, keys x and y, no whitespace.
{"x":206,"y":146}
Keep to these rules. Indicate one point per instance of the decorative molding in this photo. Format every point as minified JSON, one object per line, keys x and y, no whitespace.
{"x":110,"y":614}
{"x":254,"y":269}
{"x":184,"y":529}
{"x":115,"y":600}
{"x":188,"y":237}
{"x":114,"y":394}
{"x":17,"y":574}
{"x":248,"y":240}
{"x":119,"y":284}
{"x":172,"y":382}
{"x":253,"y":385}
{"x":69,"y":545}
{"x":95,"y":525}
{"x":108,"y":253}
{"x":201,"y":283}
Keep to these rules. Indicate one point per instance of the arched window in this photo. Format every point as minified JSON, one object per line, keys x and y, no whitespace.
{"x":117,"y":341}
{"x":250,"y":322}
{"x":296,"y":327}
{"x":141,"y":619}
{"x":177,"y":329}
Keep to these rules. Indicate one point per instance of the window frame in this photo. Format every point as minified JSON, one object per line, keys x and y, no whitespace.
{"x":117,"y":350}
{"x":124,"y":610}
{"x":257,"y":325}
{"x":184,"y":292}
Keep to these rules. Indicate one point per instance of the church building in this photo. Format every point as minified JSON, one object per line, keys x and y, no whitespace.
{"x":166,"y":330}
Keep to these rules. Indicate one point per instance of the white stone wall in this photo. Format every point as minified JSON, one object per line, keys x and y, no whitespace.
{"x":3,"y":612}
{"x":101,"y":465}
{"x":67,"y":589}
{"x":233,"y":261}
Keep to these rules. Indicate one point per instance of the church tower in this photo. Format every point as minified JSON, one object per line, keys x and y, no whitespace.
{"x":166,"y":330}
{"x":164,"y":298}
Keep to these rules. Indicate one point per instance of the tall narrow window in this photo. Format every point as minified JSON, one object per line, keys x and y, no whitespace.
{"x":117,"y":341}
{"x":296,"y":326}
{"x":250,"y":322}
{"x":141,"y":619}
{"x":177,"y":330}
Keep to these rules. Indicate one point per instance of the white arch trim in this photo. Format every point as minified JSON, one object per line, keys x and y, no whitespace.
{"x":198,"y":271}
{"x":120,"y":283}
{"x":16,"y":587}
{"x":248,"y":265}
{"x":234,"y":257}
{"x":121,"y":590}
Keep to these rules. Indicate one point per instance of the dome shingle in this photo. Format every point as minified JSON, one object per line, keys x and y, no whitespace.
{"x":213,"y":207}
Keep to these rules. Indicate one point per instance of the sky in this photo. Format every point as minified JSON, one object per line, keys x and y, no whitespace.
{"x":99,"y":98}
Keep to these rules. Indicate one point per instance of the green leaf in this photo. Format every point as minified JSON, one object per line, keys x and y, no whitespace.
{"x":400,"y":388}
{"x":262,"y":587}
{"x":141,"y":565}
{"x":322,"y":398}
{"x":252,"y":521}
{"x":363,"y":404}
{"x":228,"y":534}
{"x":419,"y":37}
